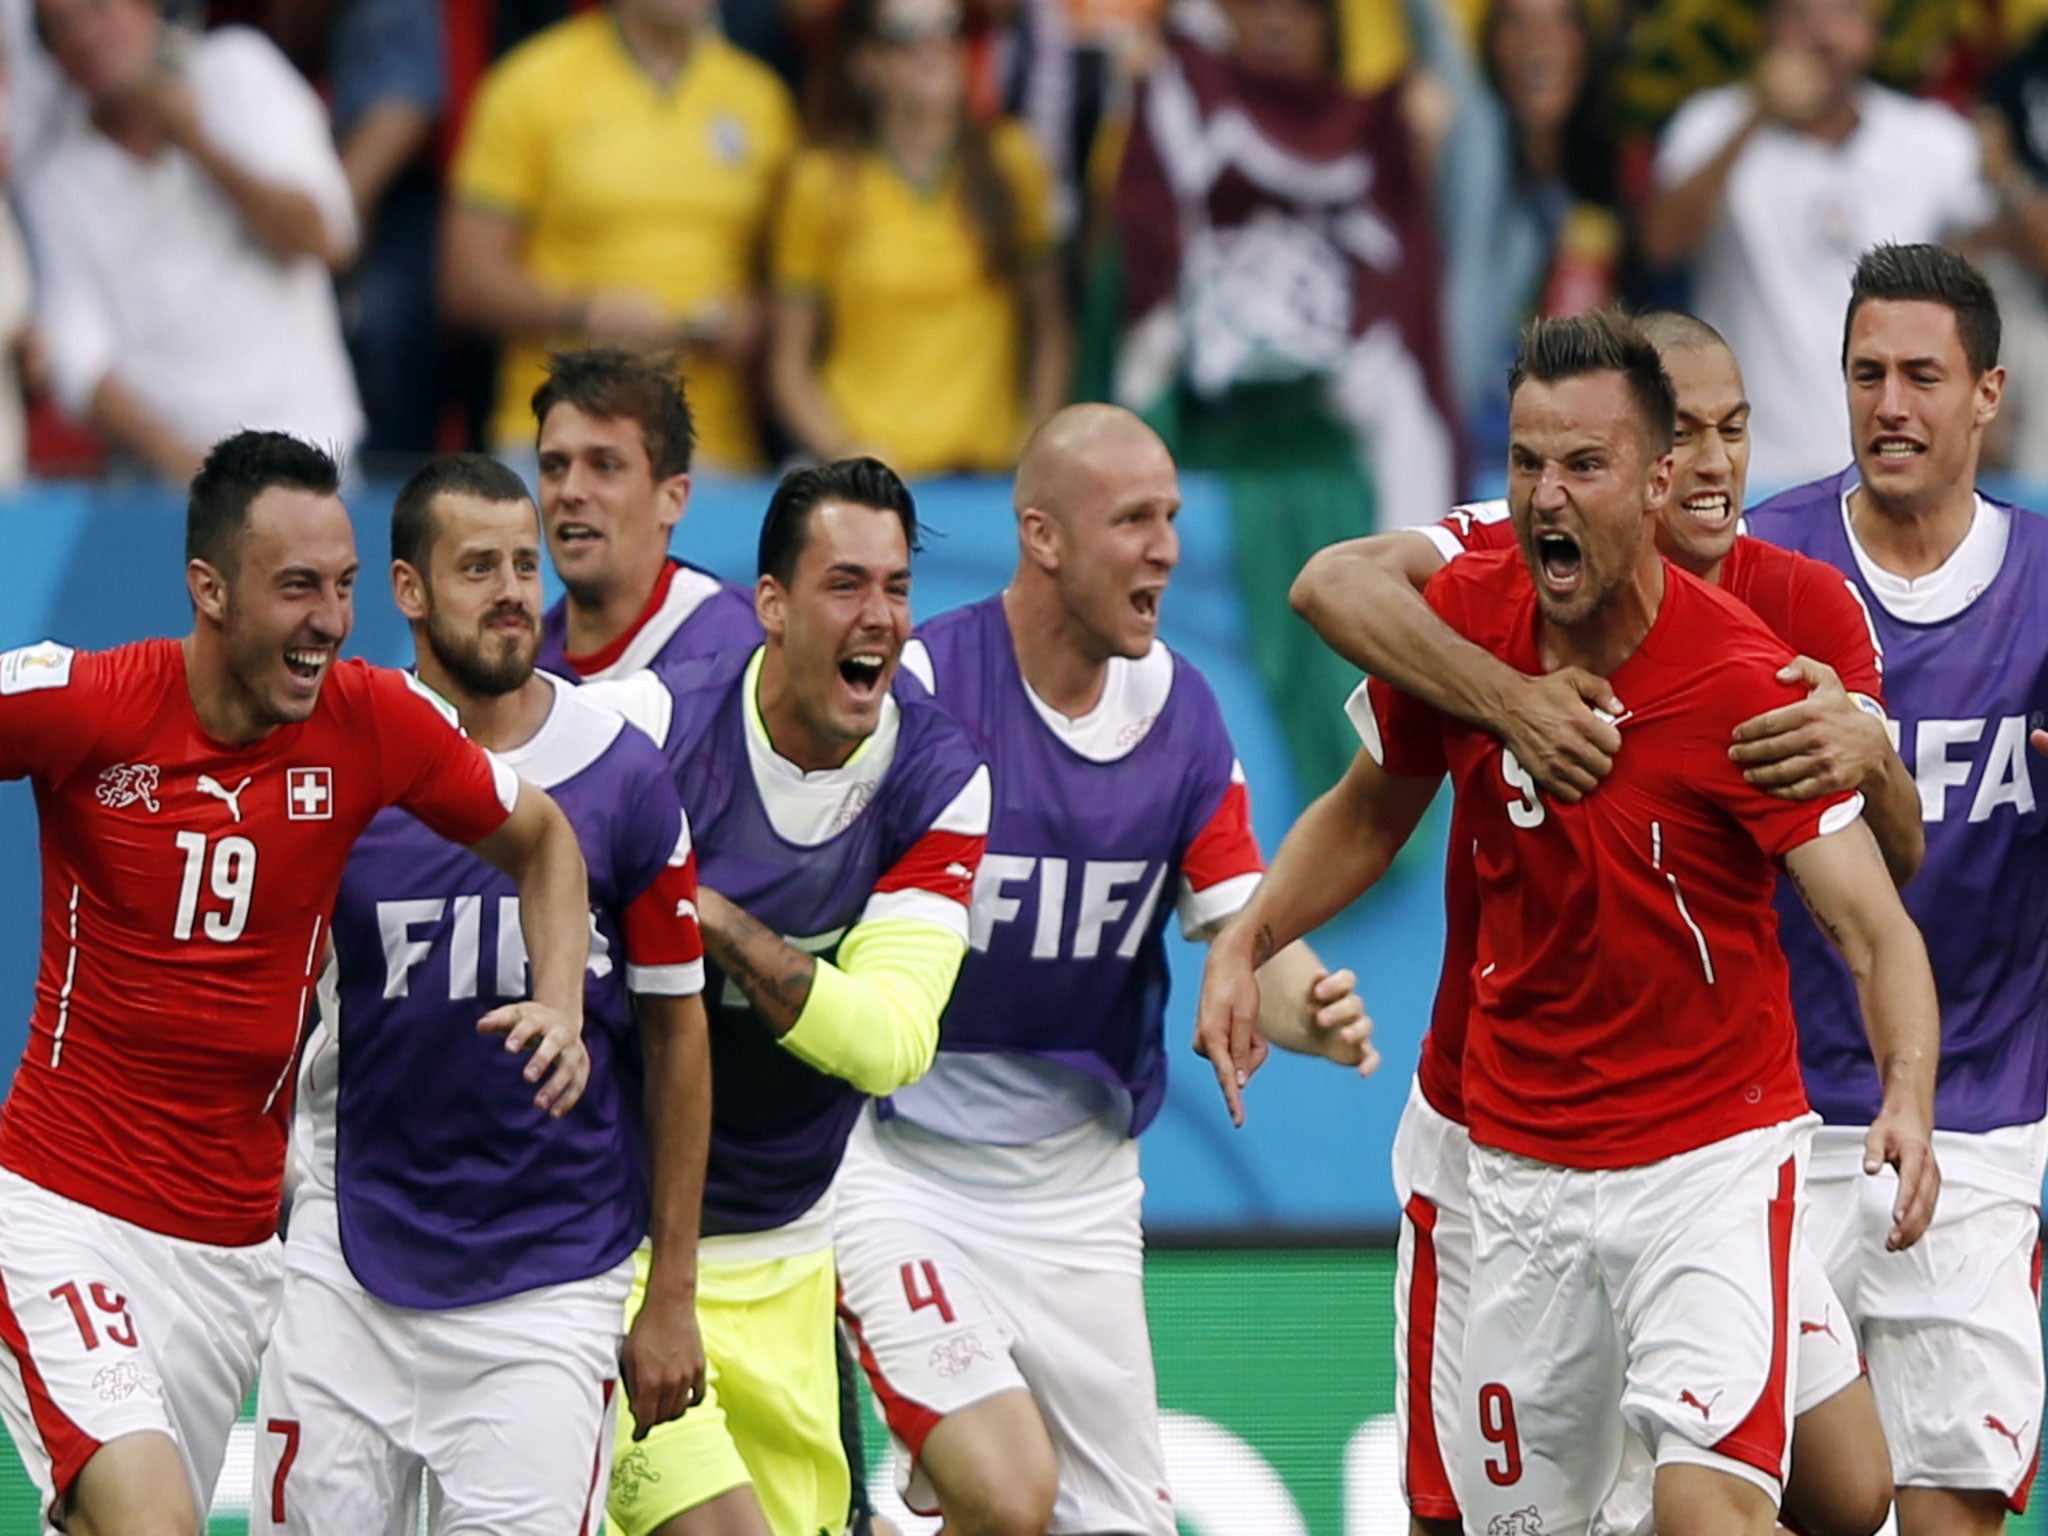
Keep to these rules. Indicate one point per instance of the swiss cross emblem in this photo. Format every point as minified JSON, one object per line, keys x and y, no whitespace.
{"x":309,"y":794}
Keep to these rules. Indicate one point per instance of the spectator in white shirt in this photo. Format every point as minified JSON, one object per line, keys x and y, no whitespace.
{"x":186,"y":216}
{"x":1771,"y":188}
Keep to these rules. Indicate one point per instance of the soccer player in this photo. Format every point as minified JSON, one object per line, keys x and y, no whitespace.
{"x":444,"y":1234}
{"x":839,"y":816}
{"x":988,"y":1225}
{"x":614,"y":443}
{"x":198,"y":799}
{"x":1637,"y":1119}
{"x":1953,"y":581}
{"x":1360,"y":599}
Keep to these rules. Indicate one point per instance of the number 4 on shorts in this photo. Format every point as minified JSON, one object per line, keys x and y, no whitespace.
{"x":933,"y":1294}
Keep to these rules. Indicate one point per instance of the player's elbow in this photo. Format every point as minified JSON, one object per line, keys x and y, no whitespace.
{"x":1903,"y":850}
{"x":1309,"y":596}
{"x":908,"y":1058}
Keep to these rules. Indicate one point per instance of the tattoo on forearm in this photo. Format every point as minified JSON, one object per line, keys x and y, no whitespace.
{"x":775,"y":977}
{"x":1264,"y":945}
{"x":1833,"y":930}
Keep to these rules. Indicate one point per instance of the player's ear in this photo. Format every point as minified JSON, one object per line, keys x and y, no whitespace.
{"x":671,"y":498}
{"x":1659,"y":487}
{"x":771,"y":605}
{"x":1990,"y":390}
{"x":1038,"y":534}
{"x":208,"y":590}
{"x":409,"y":591}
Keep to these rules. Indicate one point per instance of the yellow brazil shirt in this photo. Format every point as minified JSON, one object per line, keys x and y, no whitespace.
{"x":924,"y":345}
{"x":620,"y":182}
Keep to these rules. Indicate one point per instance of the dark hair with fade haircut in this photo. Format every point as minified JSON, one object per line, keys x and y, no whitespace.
{"x":1601,"y":342}
{"x":1929,"y":274}
{"x":614,"y":384}
{"x":861,"y":482}
{"x":237,"y":470}
{"x":452,"y":474}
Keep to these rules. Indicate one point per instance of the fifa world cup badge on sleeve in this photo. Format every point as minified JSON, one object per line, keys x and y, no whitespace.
{"x":46,"y":664}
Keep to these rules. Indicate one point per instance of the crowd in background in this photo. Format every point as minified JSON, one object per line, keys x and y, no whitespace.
{"x":1284,"y":230}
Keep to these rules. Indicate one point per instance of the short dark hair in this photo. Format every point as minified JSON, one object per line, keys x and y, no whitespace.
{"x":614,"y":384}
{"x":861,"y":482}
{"x":1929,"y":274}
{"x":237,"y":470}
{"x":452,"y":474}
{"x":1600,"y":342}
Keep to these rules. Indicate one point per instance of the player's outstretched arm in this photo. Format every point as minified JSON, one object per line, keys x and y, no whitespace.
{"x":1839,"y":877}
{"x":537,"y":847}
{"x":1827,"y":743}
{"x":1363,"y":599}
{"x":1342,"y":844}
{"x":663,"y":1357}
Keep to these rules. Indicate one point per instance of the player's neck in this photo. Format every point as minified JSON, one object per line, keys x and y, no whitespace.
{"x":791,"y":736}
{"x":1908,"y":540}
{"x":225,"y":710}
{"x":1058,"y":665}
{"x":500,"y":722}
{"x":1611,"y":635}
{"x":595,"y":621}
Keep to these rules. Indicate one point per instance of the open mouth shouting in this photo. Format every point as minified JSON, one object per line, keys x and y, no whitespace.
{"x":1893,"y":449}
{"x":864,"y":673}
{"x":1145,"y":603}
{"x":571,"y":535}
{"x":1560,"y":563}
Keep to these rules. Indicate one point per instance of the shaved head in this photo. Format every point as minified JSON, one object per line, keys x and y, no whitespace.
{"x":1670,"y":331}
{"x":1096,"y":497}
{"x":1076,"y":450}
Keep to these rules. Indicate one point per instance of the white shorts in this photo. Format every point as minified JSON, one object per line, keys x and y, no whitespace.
{"x":1655,"y":1299}
{"x":1951,"y":1327}
{"x":1828,"y":1362}
{"x":112,"y":1330}
{"x":508,"y":1404}
{"x":1432,"y":1294}
{"x":1432,"y":1298}
{"x":955,"y":1293}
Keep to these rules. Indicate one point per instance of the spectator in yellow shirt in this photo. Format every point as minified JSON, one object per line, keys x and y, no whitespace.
{"x":918,"y":314}
{"x":614,"y":185}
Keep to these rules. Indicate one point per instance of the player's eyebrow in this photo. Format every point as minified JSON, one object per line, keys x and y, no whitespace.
{"x":866,"y":572}
{"x":315,"y":575}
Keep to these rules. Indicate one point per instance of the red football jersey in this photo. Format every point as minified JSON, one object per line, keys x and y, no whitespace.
{"x":187,"y":886}
{"x":1806,"y":603}
{"x":1629,"y":999}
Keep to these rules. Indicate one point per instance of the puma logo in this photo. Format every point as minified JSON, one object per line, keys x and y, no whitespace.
{"x":1706,"y":1409}
{"x":232,"y":798}
{"x":1996,"y":1425}
{"x":1826,"y":1325}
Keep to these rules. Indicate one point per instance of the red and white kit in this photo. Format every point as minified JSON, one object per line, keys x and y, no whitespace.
{"x":1808,"y":605}
{"x":1633,"y":1074}
{"x":186,"y":887}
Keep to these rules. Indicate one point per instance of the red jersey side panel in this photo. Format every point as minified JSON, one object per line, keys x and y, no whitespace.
{"x":1810,"y":606}
{"x":1629,"y":996}
{"x":186,"y":889}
